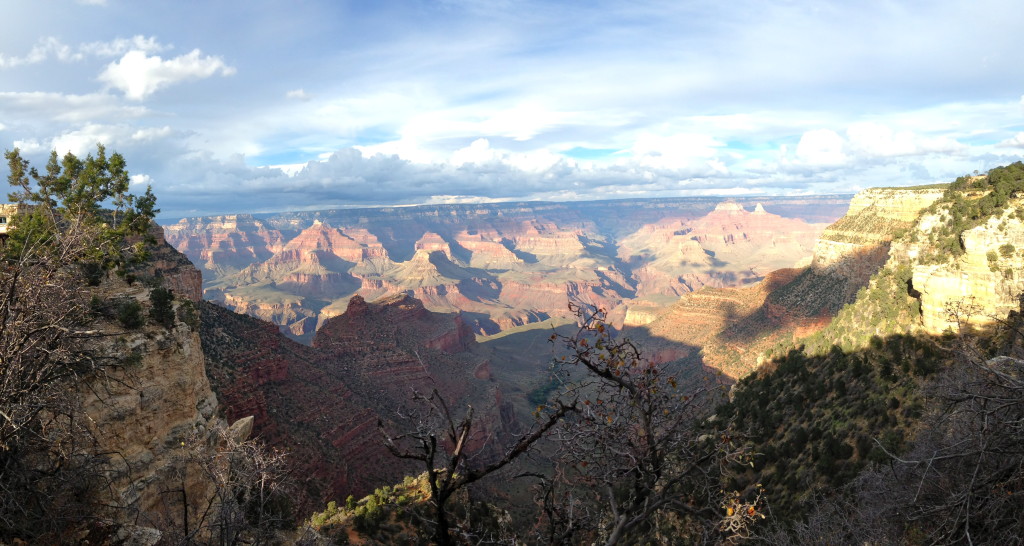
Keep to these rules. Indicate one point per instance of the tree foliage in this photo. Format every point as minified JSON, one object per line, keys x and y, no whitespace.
{"x":73,"y":198}
{"x":49,"y":470}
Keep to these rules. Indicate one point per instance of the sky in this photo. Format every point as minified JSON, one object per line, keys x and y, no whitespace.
{"x":257,"y":106}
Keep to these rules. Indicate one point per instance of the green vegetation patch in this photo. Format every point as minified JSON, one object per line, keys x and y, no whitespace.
{"x":968,"y":203}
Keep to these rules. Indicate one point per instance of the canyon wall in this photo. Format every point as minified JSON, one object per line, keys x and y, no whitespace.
{"x":144,"y":413}
{"x":876,"y":215}
{"x":323,"y":402}
{"x":737,"y":329}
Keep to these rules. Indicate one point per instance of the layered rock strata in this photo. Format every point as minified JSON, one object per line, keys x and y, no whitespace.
{"x":501,"y":265}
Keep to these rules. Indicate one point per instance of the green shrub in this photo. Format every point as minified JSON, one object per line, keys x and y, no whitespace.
{"x":93,"y":273}
{"x":162,"y":310}
{"x":188,"y":315}
{"x":129,"y":314}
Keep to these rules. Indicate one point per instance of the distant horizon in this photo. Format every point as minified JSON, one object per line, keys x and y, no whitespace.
{"x":167,"y":220}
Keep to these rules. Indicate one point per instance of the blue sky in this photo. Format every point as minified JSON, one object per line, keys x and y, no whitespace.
{"x":253,"y":106}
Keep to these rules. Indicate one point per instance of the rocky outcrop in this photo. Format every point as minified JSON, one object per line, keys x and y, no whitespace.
{"x":148,"y":411}
{"x":979,"y":287}
{"x":855,"y":247}
{"x":173,"y":269}
{"x":864,"y":233}
{"x":900,"y":204}
{"x":298,"y":404}
{"x":323,"y":402}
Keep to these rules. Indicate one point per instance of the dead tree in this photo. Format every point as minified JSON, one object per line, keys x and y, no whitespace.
{"x":251,"y":489}
{"x":635,"y":458}
{"x":440,"y":442}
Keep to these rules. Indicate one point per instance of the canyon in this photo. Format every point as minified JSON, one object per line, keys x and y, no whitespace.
{"x":501,"y":266}
{"x":718,"y":293}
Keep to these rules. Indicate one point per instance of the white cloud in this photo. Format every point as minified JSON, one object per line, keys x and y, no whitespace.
{"x":875,"y":139}
{"x":43,"y":50}
{"x":92,"y":2}
{"x":290,"y":169}
{"x":674,"y":151}
{"x":1016,"y":141}
{"x":37,"y":107}
{"x":83,"y":141}
{"x":822,"y":147}
{"x":869,"y":139}
{"x":479,"y":152}
{"x":52,"y":47}
{"x":408,"y":149}
{"x":152,"y":133}
{"x":30,"y":146}
{"x":298,"y":94}
{"x":869,"y":142}
{"x":121,"y":46}
{"x":141,"y":180}
{"x":139,"y":75}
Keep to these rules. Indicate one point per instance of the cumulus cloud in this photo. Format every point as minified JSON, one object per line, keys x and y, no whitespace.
{"x":869,"y":142}
{"x":351,"y":177}
{"x":479,"y":152}
{"x":298,"y":94}
{"x":140,"y":179}
{"x":681,"y":151}
{"x":121,"y":46}
{"x":83,"y":140}
{"x":1016,"y":141}
{"x":152,"y":133}
{"x":869,"y":139}
{"x":821,"y":147}
{"x":37,"y":106}
{"x":138,"y":75}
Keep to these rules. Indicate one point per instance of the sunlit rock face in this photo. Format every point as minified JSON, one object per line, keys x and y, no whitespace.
{"x":501,"y":265}
{"x":734,"y":328}
{"x":858,"y":244}
{"x":983,"y":284}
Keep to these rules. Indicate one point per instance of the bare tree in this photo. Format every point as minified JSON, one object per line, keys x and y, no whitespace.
{"x":963,"y":479}
{"x":440,"y":441}
{"x":251,"y":490}
{"x":636,"y":459}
